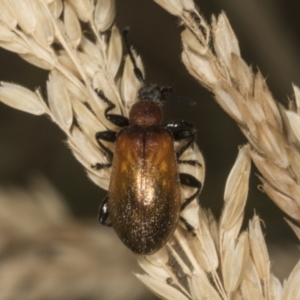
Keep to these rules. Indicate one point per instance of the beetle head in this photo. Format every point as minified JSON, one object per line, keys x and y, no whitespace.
{"x":154,"y":93}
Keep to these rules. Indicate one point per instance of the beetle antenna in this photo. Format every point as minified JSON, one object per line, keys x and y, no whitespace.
{"x":167,"y":93}
{"x":138,"y":73}
{"x":183,"y":100}
{"x":153,"y":92}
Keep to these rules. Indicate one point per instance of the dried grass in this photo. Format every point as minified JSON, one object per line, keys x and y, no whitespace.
{"x":211,"y":54}
{"x":47,"y":254}
{"x":220,"y":262}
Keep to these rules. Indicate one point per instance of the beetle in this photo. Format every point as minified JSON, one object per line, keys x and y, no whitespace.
{"x":144,"y":197}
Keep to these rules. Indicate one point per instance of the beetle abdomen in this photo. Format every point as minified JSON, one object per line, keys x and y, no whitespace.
{"x":144,"y":193}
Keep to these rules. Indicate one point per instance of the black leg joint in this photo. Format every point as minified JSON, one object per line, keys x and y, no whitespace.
{"x":188,"y":226}
{"x":108,"y":136}
{"x":99,"y":166}
{"x":103,"y":213}
{"x":191,"y":181}
{"x":178,"y":125}
{"x":182,"y":130}
{"x":117,"y":120}
{"x":181,"y":134}
{"x":193,"y":163}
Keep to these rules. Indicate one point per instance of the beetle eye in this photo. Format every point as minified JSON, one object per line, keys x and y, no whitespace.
{"x":143,"y":93}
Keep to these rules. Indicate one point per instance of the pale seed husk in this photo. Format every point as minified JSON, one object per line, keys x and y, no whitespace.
{"x":21,"y":98}
{"x":72,"y":26}
{"x":104,"y":14}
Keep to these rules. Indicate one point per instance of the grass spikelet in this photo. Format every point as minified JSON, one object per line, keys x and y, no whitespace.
{"x":211,"y":54}
{"x":235,"y":264}
{"x":11,"y":94}
{"x":217,"y":260}
{"x":74,"y":75}
{"x":42,"y":243}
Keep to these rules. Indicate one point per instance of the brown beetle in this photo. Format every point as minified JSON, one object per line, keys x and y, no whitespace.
{"x":144,"y":197}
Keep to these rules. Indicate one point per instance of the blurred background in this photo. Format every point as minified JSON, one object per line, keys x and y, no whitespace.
{"x":269,"y":36}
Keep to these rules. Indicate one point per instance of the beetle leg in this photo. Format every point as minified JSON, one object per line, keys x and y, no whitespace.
{"x":182,"y":130}
{"x":190,"y":162}
{"x":189,"y":135}
{"x":187,"y":225}
{"x":191,"y":181}
{"x":178,"y":125}
{"x":103,"y":212}
{"x":137,"y":72}
{"x":108,"y":136}
{"x":99,"y":166}
{"x":117,"y":120}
